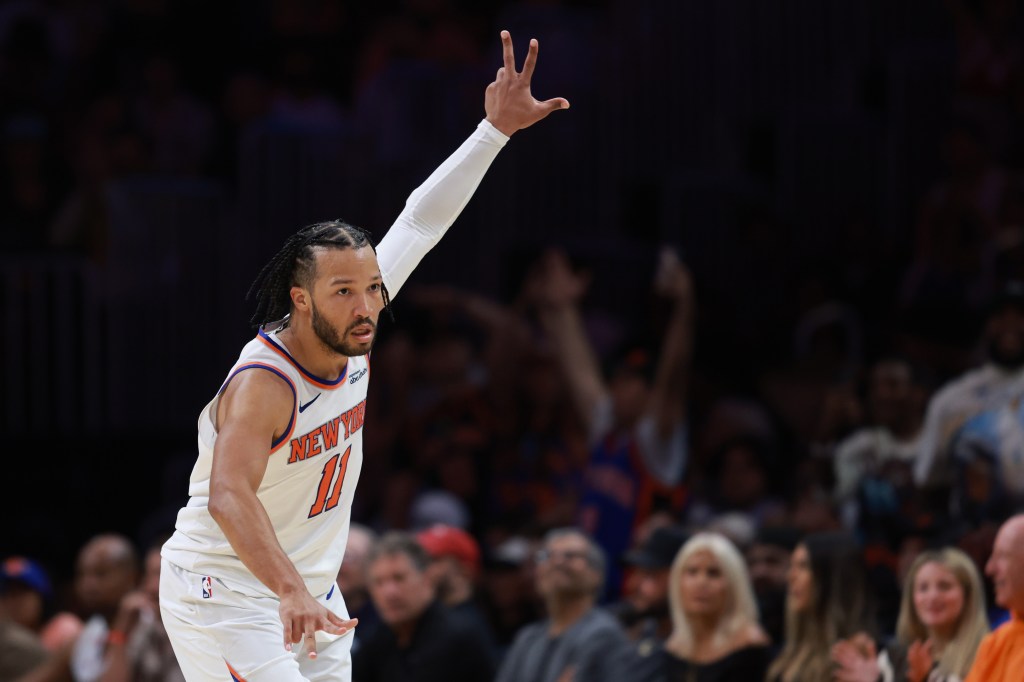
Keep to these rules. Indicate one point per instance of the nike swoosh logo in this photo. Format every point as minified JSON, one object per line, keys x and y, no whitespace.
{"x":302,"y":408}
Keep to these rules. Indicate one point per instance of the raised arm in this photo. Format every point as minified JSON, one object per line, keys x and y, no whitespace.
{"x":252,"y":411}
{"x":668,"y":401}
{"x":433,"y":207}
{"x":557,"y":290}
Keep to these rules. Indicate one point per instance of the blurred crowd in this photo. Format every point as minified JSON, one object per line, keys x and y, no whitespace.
{"x":760,"y":465}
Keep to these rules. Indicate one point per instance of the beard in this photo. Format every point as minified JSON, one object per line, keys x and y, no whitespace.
{"x":1007,"y":359}
{"x":330,"y":337}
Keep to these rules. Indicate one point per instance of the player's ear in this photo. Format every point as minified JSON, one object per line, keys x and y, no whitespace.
{"x":300,"y":298}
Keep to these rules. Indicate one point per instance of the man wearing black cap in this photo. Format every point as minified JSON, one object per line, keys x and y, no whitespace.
{"x":978,"y":413}
{"x":644,"y":611}
{"x":768,"y":563}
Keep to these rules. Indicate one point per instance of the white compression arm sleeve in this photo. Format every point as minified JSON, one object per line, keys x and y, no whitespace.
{"x":433,"y":206}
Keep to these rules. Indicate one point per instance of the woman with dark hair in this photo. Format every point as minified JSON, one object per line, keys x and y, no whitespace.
{"x":827,"y":601}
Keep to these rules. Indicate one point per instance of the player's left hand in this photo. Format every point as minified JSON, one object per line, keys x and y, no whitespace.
{"x":508,"y":102}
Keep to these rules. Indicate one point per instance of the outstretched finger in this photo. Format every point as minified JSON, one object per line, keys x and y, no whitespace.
{"x":555,"y":103}
{"x":310,"y":638}
{"x":531,"y":59}
{"x":340,"y":622}
{"x":506,"y":49}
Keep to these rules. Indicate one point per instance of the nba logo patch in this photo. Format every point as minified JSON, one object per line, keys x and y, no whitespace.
{"x":207,"y":587}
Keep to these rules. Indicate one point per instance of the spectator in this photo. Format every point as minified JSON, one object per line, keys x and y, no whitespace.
{"x":418,"y":639}
{"x":578,"y":640}
{"x":635,"y":417}
{"x":20,"y":648}
{"x":768,"y":563}
{"x":942,"y":616}
{"x":741,"y":481}
{"x":352,"y":581}
{"x":942,"y":620}
{"x":877,"y":460}
{"x":827,"y":601}
{"x":715,"y":634}
{"x":106,"y":571}
{"x":454,"y":570}
{"x":138,"y":649}
{"x":508,"y":593}
{"x":1000,"y":657}
{"x":27,"y":595}
{"x":643,"y":610}
{"x":999,"y":380}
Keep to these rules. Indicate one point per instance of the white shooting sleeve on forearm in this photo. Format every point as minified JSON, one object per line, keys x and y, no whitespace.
{"x":433,"y":206}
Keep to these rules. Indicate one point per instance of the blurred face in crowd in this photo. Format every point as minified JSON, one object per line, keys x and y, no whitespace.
{"x":352,"y":575}
{"x":648,"y":590}
{"x":768,"y":566}
{"x":565,"y":569}
{"x":630,"y":392}
{"x":800,"y":596}
{"x":703,"y":588}
{"x":742,"y":480}
{"x":1006,"y":565}
{"x":22,"y":604}
{"x":890,"y":393}
{"x":938,"y":597}
{"x":1005,"y":333}
{"x":104,"y":574}
{"x":400,"y":591}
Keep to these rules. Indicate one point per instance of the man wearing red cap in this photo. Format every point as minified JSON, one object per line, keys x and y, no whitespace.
{"x":454,"y":570}
{"x":455,"y":562}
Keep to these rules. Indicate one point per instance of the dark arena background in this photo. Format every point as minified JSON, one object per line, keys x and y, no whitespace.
{"x":842,"y":181}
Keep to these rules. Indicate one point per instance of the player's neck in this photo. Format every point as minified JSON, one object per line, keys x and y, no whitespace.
{"x":310,"y":352}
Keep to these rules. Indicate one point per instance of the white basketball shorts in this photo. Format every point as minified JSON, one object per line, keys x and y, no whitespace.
{"x":220,"y":635}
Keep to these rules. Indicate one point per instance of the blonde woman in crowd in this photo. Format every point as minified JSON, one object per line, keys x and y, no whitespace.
{"x":827,"y":601}
{"x":941,"y":623}
{"x":715,"y":635}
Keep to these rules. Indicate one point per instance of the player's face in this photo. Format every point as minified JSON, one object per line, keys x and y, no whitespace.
{"x":347,"y":299}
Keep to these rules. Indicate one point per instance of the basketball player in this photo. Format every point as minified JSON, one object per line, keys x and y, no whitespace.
{"x":248,"y":583}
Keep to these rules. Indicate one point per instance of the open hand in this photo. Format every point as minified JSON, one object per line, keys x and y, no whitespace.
{"x":508,"y":102}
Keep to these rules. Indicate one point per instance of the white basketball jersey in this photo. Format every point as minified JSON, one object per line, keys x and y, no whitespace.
{"x":310,"y":480}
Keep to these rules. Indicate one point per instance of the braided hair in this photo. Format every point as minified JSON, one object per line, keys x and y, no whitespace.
{"x":295,"y":265}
